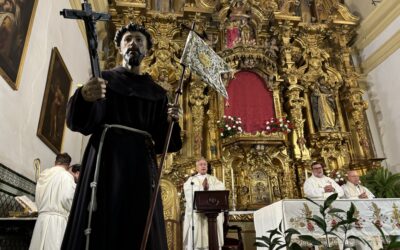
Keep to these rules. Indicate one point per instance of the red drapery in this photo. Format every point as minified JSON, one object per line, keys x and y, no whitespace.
{"x":250,"y":100}
{"x":232,"y":34}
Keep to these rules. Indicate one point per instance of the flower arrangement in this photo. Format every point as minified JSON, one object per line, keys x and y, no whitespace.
{"x":278,"y":125}
{"x":229,"y":126}
{"x":337,"y":176}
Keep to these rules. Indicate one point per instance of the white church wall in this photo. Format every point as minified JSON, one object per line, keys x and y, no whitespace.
{"x":384,"y":89}
{"x":362,"y":10}
{"x":20,"y":109}
{"x":379,"y":50}
{"x":372,"y":118}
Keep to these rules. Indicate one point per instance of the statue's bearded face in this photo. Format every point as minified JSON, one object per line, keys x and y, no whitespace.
{"x":133,"y":47}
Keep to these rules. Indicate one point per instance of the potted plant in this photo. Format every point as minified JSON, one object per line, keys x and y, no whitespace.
{"x":382,"y":183}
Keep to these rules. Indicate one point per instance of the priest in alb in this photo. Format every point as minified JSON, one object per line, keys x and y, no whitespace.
{"x":54,"y":193}
{"x":319,"y":186}
{"x":195,"y":235}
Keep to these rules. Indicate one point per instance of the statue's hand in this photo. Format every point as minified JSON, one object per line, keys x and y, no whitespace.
{"x":94,"y":89}
{"x":173,"y":112}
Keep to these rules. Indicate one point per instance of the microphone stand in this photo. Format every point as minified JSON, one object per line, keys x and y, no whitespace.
{"x":192,"y":183}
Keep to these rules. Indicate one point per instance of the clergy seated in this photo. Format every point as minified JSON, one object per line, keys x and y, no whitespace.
{"x":353,"y":189}
{"x":319,"y":186}
{"x":232,"y":243}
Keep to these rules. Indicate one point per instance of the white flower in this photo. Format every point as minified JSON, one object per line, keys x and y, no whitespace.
{"x":338,"y":175}
{"x":280,"y":120}
{"x":240,"y":129}
{"x":233,"y":126}
{"x":218,"y":121}
{"x":336,"y":179}
{"x":268,"y":127}
{"x":229,"y":128}
{"x":289,"y":130}
{"x":267,"y":122}
{"x":222,"y":134}
{"x":224,"y":116}
{"x":229,"y":117}
{"x":239,"y":118}
{"x":226,"y":126}
{"x":281,"y":125}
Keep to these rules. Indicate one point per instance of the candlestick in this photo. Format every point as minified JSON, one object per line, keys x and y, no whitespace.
{"x":233,"y":190}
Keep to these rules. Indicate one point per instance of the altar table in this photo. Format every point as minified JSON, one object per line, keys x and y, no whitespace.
{"x":293,"y":214}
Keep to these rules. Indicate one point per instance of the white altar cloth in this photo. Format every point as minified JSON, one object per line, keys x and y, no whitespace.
{"x":293,"y":214}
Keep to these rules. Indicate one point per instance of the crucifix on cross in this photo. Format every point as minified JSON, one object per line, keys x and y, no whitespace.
{"x":90,"y":18}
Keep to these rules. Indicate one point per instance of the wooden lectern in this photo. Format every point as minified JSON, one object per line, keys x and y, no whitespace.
{"x":211,"y":203}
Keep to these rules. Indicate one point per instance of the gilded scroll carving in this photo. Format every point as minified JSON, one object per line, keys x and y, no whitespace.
{"x":301,"y":48}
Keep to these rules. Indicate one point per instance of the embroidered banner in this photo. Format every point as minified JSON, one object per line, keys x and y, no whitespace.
{"x":200,"y":58}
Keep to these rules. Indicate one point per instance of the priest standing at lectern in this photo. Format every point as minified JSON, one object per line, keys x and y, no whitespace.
{"x":200,"y":182}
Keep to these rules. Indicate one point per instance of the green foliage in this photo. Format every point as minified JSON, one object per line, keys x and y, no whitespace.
{"x":278,"y":239}
{"x":393,"y":243}
{"x":345,"y":219}
{"x":382,"y":183}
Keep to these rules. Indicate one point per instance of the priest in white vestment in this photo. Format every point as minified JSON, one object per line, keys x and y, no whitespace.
{"x":319,"y":186}
{"x":353,"y":189}
{"x":200,"y":182}
{"x":54,"y":194}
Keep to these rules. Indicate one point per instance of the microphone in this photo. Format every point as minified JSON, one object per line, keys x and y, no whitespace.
{"x":192,"y":183}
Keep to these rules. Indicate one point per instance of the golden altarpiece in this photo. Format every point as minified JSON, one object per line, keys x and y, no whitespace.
{"x":301,"y":51}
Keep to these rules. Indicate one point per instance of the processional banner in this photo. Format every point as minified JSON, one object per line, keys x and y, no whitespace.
{"x":200,"y":58}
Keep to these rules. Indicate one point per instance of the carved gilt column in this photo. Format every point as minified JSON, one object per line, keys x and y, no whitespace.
{"x":197,"y":100}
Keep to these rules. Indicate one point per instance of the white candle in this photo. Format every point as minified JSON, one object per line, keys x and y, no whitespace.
{"x":233,"y":190}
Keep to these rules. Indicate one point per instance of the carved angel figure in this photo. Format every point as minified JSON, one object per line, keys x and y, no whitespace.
{"x":271,"y":49}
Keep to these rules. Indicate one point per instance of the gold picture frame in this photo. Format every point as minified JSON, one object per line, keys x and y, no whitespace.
{"x":16,"y":19}
{"x":54,"y":106}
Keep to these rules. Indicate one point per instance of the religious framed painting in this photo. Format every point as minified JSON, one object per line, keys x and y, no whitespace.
{"x":16,"y":18}
{"x":54,"y":106}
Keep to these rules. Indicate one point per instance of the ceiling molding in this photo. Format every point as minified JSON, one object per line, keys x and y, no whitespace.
{"x":381,"y":54}
{"x":376,"y":22}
